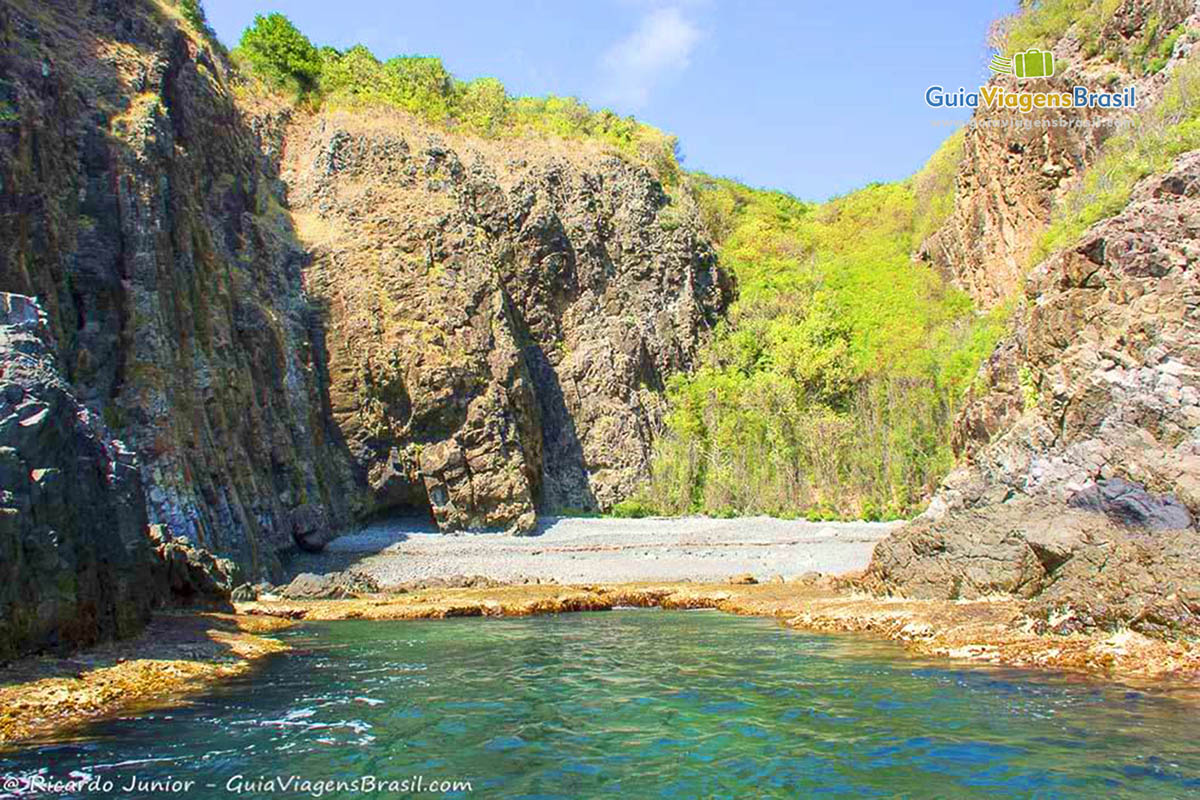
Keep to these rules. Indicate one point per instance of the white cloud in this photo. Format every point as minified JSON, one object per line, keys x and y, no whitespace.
{"x":661,"y":46}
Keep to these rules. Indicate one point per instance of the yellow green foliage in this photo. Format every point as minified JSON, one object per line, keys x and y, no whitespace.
{"x":281,"y":54}
{"x":275,"y":52}
{"x":1041,"y":23}
{"x":1167,"y":129}
{"x":933,"y":187}
{"x":830,"y":388}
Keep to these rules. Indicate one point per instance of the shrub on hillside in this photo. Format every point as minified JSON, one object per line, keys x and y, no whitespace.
{"x":1157,"y":136}
{"x":283,"y":58}
{"x":830,"y":389}
{"x":280,"y":54}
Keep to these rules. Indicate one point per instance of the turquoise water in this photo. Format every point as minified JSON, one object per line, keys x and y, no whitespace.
{"x":636,"y":704}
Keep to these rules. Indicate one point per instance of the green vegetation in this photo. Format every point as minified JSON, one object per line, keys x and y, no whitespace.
{"x":273,"y":51}
{"x":1029,"y":387}
{"x":280,"y":54}
{"x":1041,"y":23}
{"x":1158,"y":134}
{"x":631,"y":509}
{"x":192,"y":11}
{"x":830,"y":388}
{"x":933,"y":187}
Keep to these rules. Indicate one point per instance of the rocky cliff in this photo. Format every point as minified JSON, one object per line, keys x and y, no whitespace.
{"x":1016,"y":166}
{"x":224,"y":362}
{"x":139,"y":206}
{"x":1079,"y":444}
{"x":75,"y":555}
{"x":79,"y":561}
{"x":502,"y":316}
{"x":1081,"y":479}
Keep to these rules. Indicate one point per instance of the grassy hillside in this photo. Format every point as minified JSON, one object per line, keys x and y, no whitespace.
{"x":273,"y":54}
{"x":830,"y":388}
{"x":1041,"y":23}
{"x":1158,"y":135}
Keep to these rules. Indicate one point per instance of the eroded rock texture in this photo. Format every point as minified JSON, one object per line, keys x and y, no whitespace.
{"x":1015,"y":165}
{"x":139,"y":206}
{"x":502,"y":317}
{"x":75,"y":564}
{"x":486,"y":328}
{"x":1081,"y":480}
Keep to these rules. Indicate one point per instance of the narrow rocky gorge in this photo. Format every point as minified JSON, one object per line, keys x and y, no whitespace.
{"x":205,"y":358}
{"x":232,"y":324}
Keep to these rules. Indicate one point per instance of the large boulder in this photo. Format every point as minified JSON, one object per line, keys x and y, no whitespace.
{"x":190,"y":576}
{"x":329,"y":586}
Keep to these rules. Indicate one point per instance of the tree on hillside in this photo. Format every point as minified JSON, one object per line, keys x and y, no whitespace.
{"x":280,"y":53}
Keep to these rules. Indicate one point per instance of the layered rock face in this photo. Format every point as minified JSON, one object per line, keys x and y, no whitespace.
{"x":76,"y":565}
{"x":1005,"y":190}
{"x":502,"y":316}
{"x":1016,"y":165}
{"x":1081,"y":481}
{"x":144,"y":211}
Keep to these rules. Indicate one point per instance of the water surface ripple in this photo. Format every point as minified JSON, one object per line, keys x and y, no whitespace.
{"x":641,"y":704}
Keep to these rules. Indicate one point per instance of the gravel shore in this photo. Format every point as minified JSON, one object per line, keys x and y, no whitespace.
{"x":573,"y":550}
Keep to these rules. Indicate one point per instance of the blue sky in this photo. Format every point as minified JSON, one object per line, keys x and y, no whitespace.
{"x":815,"y":97}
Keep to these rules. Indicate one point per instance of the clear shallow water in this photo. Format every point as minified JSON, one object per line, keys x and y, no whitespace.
{"x":640,"y":704}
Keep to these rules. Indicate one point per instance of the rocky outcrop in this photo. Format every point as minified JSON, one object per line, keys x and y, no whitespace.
{"x":472,"y":329}
{"x":1007,"y":183}
{"x":502,"y":316}
{"x":330,"y":586}
{"x":76,"y":565}
{"x":186,"y":575}
{"x":1081,"y":441}
{"x":1016,"y":166}
{"x":77,"y":562}
{"x":143,"y":208}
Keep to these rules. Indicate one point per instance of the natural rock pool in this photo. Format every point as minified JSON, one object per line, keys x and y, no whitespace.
{"x":632,"y":704}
